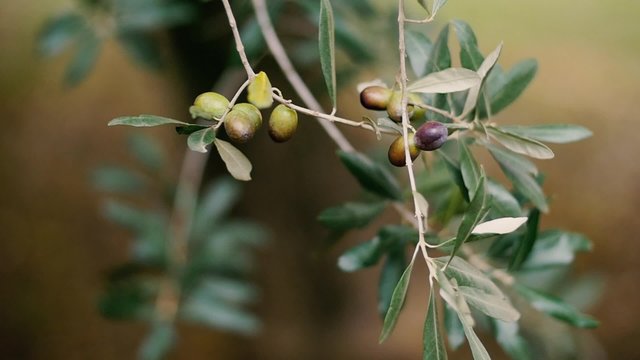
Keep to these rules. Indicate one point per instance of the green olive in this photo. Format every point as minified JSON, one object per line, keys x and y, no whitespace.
{"x":240,"y":127}
{"x":252,"y":113}
{"x":375,"y":97}
{"x":394,"y":108}
{"x":396,"y":151}
{"x":283,"y":123}
{"x":419,"y":112}
{"x":211,"y":103}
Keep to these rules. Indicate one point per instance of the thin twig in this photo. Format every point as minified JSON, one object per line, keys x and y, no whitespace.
{"x":280,"y":55}
{"x":421,"y":218}
{"x":332,"y":118}
{"x":236,"y":36}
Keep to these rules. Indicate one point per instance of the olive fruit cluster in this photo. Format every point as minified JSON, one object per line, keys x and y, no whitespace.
{"x":430,"y":136}
{"x":244,"y":119}
{"x":381,"y":98}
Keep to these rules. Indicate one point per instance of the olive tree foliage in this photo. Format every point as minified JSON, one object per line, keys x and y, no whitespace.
{"x":480,"y":238}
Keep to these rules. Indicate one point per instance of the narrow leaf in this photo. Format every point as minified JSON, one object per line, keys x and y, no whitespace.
{"x":508,"y":337}
{"x":512,"y":161}
{"x":397,"y":300}
{"x":527,"y":243}
{"x":327,"y":48}
{"x":144,"y":121}
{"x":557,"y":308}
{"x":199,"y":140}
{"x":437,"y":4}
{"x":503,"y":89}
{"x":446,"y":81}
{"x":360,"y":256}
{"x":477,"y":349}
{"x":503,"y":203}
{"x":469,"y":168}
{"x":418,"y":50}
{"x":499,"y":226}
{"x":474,"y":214}
{"x":470,"y":56}
{"x":390,"y":275}
{"x":159,"y":342}
{"x":371,"y":176}
{"x":483,"y":70}
{"x":555,"y":248}
{"x":87,"y":51}
{"x":455,"y":333}
{"x":492,"y":305}
{"x":440,"y":56}
{"x":553,"y":133}
{"x":432,"y":341}
{"x":60,"y":32}
{"x":466,"y":274}
{"x":520,"y":144}
{"x":350,"y":215}
{"x":237,"y":164}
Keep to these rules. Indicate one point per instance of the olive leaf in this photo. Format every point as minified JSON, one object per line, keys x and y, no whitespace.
{"x":327,"y":49}
{"x":237,"y":164}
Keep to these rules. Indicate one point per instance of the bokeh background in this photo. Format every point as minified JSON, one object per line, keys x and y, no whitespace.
{"x":55,"y":247}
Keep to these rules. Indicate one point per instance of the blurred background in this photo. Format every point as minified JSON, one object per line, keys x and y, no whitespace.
{"x":55,"y":247}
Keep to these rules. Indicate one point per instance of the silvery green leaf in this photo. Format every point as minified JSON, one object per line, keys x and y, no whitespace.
{"x":446,"y":81}
{"x":553,"y":133}
{"x":520,"y":144}
{"x":492,"y":305}
{"x":237,"y":164}
{"x":199,"y":140}
{"x":144,"y":121}
{"x":499,"y":226}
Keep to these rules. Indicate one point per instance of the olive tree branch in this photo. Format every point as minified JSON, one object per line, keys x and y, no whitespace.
{"x":332,"y":118}
{"x":236,"y":36}
{"x":300,"y":87}
{"x":421,"y":218}
{"x":231,"y":103}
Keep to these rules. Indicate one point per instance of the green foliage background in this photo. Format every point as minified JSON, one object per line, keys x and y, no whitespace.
{"x":54,"y":247}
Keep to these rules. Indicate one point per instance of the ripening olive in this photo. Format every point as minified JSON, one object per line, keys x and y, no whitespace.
{"x":396,"y":151}
{"x":394,"y":108}
{"x":375,"y":97}
{"x":283,"y":123}
{"x":240,"y":126}
{"x":419,"y":112}
{"x":430,"y":136}
{"x":252,"y":113}
{"x":211,"y":103}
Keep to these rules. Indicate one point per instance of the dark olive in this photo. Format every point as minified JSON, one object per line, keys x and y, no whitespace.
{"x":394,"y":108}
{"x":283,"y":123}
{"x":375,"y":97}
{"x":211,"y":103}
{"x":430,"y":136}
{"x":240,"y":127}
{"x":396,"y":151}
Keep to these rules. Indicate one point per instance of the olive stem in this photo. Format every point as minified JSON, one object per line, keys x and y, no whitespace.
{"x":236,"y":36}
{"x":232,"y":102}
{"x":402,"y":80}
{"x":438,"y":111}
{"x":300,"y":87}
{"x":332,"y":118}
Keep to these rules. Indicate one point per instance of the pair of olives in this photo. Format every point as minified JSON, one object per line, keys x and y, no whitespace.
{"x":244,"y":119}
{"x":430,"y":136}
{"x":382,"y":98}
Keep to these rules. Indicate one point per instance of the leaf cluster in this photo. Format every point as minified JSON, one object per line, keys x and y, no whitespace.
{"x":210,"y":286}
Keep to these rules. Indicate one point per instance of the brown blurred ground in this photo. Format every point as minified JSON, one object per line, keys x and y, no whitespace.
{"x":55,"y":248}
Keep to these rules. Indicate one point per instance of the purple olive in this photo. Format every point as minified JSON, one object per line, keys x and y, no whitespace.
{"x":430,"y":136}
